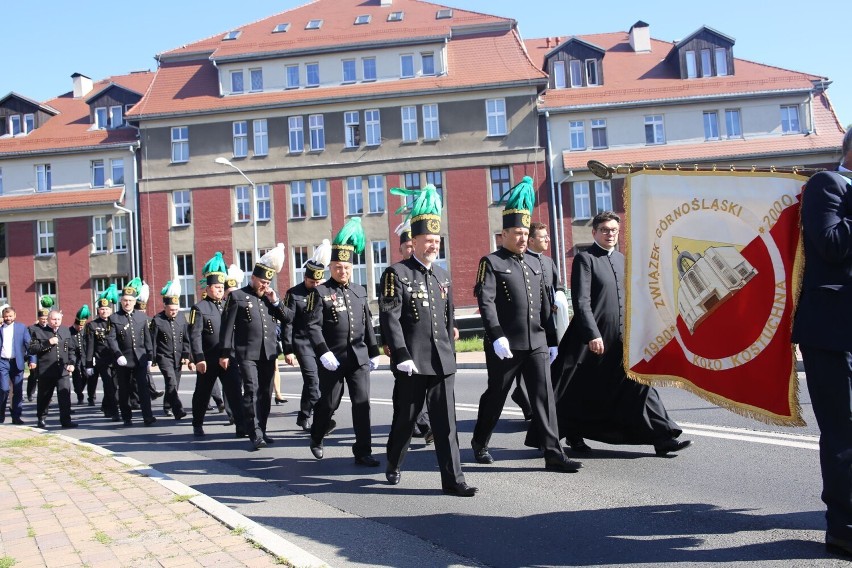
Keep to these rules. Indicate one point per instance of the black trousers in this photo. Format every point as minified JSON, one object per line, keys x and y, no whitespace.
{"x":534,"y":367}
{"x":84,"y":384}
{"x":257,"y":394}
{"x":357,"y":378}
{"x":32,"y":382}
{"x":207,"y":384}
{"x":409,"y":394}
{"x":829,"y":376}
{"x":171,"y":376}
{"x":46,"y":385}
{"x":138,"y":376}
{"x":310,"y":382}
{"x":109,"y":404}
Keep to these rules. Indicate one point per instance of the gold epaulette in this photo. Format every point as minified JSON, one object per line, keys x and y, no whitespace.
{"x":480,"y":274}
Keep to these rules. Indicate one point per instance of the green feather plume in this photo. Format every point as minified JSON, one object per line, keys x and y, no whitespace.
{"x":136,"y":284}
{"x":111,"y":294}
{"x":427,"y":201}
{"x":522,"y":196}
{"x":46,"y":302}
{"x":215,"y":264}
{"x":352,"y":233}
{"x":84,"y":312}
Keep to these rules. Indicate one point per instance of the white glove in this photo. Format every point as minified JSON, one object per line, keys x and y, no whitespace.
{"x":374,"y":363}
{"x":89,"y":372}
{"x":329,"y":361}
{"x":149,"y":365}
{"x":121,"y":361}
{"x":501,"y":348}
{"x":554,"y":351}
{"x":407,"y":367}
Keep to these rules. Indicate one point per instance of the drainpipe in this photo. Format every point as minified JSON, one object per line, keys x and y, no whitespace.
{"x":562,"y":226}
{"x":812,"y":128}
{"x":558,"y":249}
{"x":133,"y":216}
{"x":218,"y":76}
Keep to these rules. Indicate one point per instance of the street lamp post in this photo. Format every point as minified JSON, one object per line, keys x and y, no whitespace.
{"x":226,"y":162}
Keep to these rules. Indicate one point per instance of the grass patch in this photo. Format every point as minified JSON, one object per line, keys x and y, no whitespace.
{"x":181,"y":498}
{"x":469,"y":344}
{"x":7,"y":461}
{"x":281,"y":561}
{"x":7,"y":561}
{"x":103,"y":538}
{"x":238,"y":531}
{"x":48,"y":506}
{"x":35,"y":442}
{"x":19,"y":507}
{"x":30,"y":531}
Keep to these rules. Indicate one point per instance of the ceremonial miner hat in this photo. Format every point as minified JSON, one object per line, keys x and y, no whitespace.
{"x":519,"y":205}
{"x":108,"y":297}
{"x":315,"y":267}
{"x":424,"y":215}
{"x":132,"y":288}
{"x":45,"y":303}
{"x":171,"y":293}
{"x":271,"y":263}
{"x":234,"y":277}
{"x":83,"y":314}
{"x":142,"y":297}
{"x":404,"y":231}
{"x":349,"y":241}
{"x":215,"y":271}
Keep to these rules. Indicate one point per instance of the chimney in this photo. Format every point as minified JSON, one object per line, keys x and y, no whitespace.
{"x":548,"y":42}
{"x":640,"y":37}
{"x":82,"y":85}
{"x":385,"y":3}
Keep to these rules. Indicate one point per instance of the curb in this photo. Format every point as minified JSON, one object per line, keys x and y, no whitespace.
{"x":250,"y":530}
{"x":800,"y":367}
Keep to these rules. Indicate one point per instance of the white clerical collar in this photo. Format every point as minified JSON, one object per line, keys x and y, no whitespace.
{"x":608,"y":250}
{"x":423,"y":264}
{"x":841,"y":168}
{"x":532,"y":252}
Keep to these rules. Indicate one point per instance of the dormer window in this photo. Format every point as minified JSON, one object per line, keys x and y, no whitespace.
{"x":591,"y":72}
{"x":721,"y":61}
{"x":704,"y":53}
{"x":281,"y":28}
{"x":364,"y":19}
{"x":101,"y":118}
{"x":314,"y":25}
{"x":15,"y":124}
{"x":232,"y":35}
{"x":116,"y":117}
{"x":444,"y":13}
{"x":29,"y":123}
{"x":396,"y":16}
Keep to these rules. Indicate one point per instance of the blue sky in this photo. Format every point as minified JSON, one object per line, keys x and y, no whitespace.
{"x":41,"y":50}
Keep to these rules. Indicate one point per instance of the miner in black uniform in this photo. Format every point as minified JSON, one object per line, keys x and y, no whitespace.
{"x":342,"y":336}
{"x":170,"y":338}
{"x":99,"y":358}
{"x":417,"y":322}
{"x":54,"y":348}
{"x":46,"y":302}
{"x":81,"y":382}
{"x":295,"y":339}
{"x":249,"y":333}
{"x":520,"y":336}
{"x":130,"y":340}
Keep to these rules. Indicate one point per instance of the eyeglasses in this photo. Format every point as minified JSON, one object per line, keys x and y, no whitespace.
{"x":608,"y":231}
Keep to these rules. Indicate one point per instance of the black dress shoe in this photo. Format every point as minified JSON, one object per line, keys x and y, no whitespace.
{"x":268,"y":439}
{"x":220,"y":407}
{"x":115,"y":418}
{"x":150,"y":421}
{"x":40,"y":423}
{"x":460,"y":490}
{"x":91,"y":402}
{"x":429,"y":438}
{"x":257,"y":443}
{"x":18,"y":421}
{"x":367,"y":460}
{"x":331,"y":426}
{"x":304,"y":423}
{"x":316,"y":449}
{"x":579,"y":445}
{"x":167,"y":411}
{"x":480,"y":453}
{"x":70,"y":425}
{"x":128,"y":422}
{"x":79,"y":399}
{"x":839,"y":546}
{"x":560,"y":462}
{"x":135,"y":406}
{"x":393,"y":476}
{"x":197,"y":431}
{"x":241,"y":434}
{"x":671,"y":445}
{"x":178,"y":414}
{"x":157,"y":394}
{"x":280,"y":400}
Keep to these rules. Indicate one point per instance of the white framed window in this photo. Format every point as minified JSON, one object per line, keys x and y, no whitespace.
{"x":373,"y":127}
{"x":790,"y":119}
{"x":245,"y":260}
{"x":376,"y":193}
{"x":240,"y":129}
{"x":354,"y":196}
{"x":256,"y":79}
{"x":499,"y":182}
{"x":98,"y":173}
{"x":436,"y":178}
{"x":117,"y":171}
{"x":101,"y":117}
{"x":431,"y":128}
{"x":368,"y":68}
{"x":349,"y":71}
{"x":575,"y":67}
{"x":180,"y":144}
{"x":4,"y":295}
{"x":603,"y":195}
{"x":99,"y":234}
{"x":182,"y":207}
{"x":263,"y":199}
{"x":577,"y":132}
{"x":298,"y":200}
{"x":280,"y":28}
{"x":29,"y":123}
{"x":44,"y":179}
{"x":362,"y":19}
{"x":314,"y":25}
{"x":316,"y":123}
{"x":582,"y":205}
{"x":592,"y":72}
{"x":119,"y":233}
{"x":706,"y":63}
{"x":711,"y":125}
{"x":312,"y":75}
{"x":46,"y":288}
{"x":359,"y":269}
{"x":231,"y":35}
{"x":300,"y":256}
{"x":116,"y":116}
{"x":721,"y":61}
{"x":292,"y":72}
{"x":186,"y":277}
{"x":427,"y":63}
{"x":46,"y":241}
{"x":495,"y":112}
{"x":297,"y":134}
{"x":733,"y":123}
{"x":654,"y":130}
{"x":261,"y":137}
{"x":406,"y":66}
{"x":319,"y":198}
{"x":351,"y":129}
{"x":379,"y":250}
{"x":100,"y":285}
{"x":237,"y":82}
{"x":15,"y":124}
{"x":599,"y":133}
{"x":559,"y":75}
{"x":242,"y":202}
{"x":412,"y":181}
{"x":396,"y":16}
{"x":691,"y":64}
{"x":441,"y":260}
{"x":409,"y":124}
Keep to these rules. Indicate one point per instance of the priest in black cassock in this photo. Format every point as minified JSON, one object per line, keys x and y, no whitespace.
{"x":594,"y":397}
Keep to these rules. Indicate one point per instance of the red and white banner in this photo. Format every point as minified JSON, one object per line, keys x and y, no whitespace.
{"x":712,"y":277}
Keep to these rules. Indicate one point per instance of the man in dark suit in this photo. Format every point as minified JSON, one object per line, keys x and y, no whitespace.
{"x":41,"y":321}
{"x":823,"y":329}
{"x":54,"y":348}
{"x":81,"y":382}
{"x":14,"y":346}
{"x":99,"y":356}
{"x":170,"y":339}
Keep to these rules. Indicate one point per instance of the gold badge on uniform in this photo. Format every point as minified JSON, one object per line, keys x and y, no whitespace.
{"x":343,"y":255}
{"x":270,"y":274}
{"x":433,"y":226}
{"x":525,"y":221}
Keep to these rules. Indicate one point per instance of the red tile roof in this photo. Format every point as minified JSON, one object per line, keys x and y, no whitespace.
{"x":49,"y":199}
{"x":71,"y":127}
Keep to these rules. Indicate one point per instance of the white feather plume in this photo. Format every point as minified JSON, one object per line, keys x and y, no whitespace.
{"x":322,"y":254}
{"x":234,"y":273}
{"x":172,"y":288}
{"x":144,"y":293}
{"x":402,"y":227}
{"x":274,"y":259}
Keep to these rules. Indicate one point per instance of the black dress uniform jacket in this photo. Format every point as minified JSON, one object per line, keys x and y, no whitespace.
{"x":253,"y":333}
{"x":205,"y":323}
{"x":52,"y":359}
{"x":339,"y":321}
{"x":294,"y":335}
{"x":97,"y":350}
{"x":171,"y":340}
{"x":129,"y":336}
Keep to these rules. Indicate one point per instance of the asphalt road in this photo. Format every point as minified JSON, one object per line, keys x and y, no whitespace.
{"x":746,"y":494}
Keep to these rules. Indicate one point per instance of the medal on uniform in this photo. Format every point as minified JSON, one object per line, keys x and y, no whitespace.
{"x":425,"y":304}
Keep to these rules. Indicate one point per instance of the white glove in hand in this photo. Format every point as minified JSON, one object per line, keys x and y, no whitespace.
{"x":554,"y":351}
{"x":407,"y":367}
{"x":121,"y":361}
{"x":374,"y":363}
{"x":329,"y":361}
{"x":501,"y":348}
{"x":89,"y":372}
{"x":149,"y":365}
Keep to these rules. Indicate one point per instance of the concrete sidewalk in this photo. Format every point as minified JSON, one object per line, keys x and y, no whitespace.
{"x":67,"y":503}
